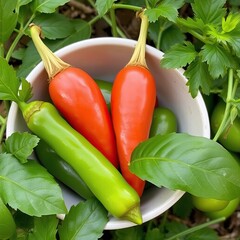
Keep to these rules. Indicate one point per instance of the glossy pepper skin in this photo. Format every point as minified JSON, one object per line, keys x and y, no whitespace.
{"x":133,"y":101}
{"x":61,"y":170}
{"x":78,"y":98}
{"x":132,"y":105}
{"x":102,"y":178}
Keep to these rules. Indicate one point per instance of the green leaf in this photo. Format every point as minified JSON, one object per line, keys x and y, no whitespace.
{"x":197,"y":165}
{"x":29,"y":187}
{"x":230,"y":22}
{"x":54,"y":25}
{"x":25,"y":91}
{"x":154,"y":234}
{"x":210,"y":11}
{"x":44,"y":228}
{"x":165,"y":32}
{"x":21,"y":145}
{"x":31,"y":57}
{"x":47,"y":6}
{"x":199,"y":77}
{"x":84,"y":221}
{"x":234,"y":40}
{"x":179,"y":56}
{"x":103,"y":6}
{"x":196,"y":24}
{"x":9,"y":83}
{"x":166,"y":8}
{"x":21,"y":3}
{"x":217,"y":58}
{"x":8,"y":19}
{"x":132,"y":233}
{"x":174,"y":228}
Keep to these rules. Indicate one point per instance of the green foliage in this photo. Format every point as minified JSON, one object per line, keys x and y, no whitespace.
{"x":180,"y":166}
{"x":21,"y":145}
{"x":44,"y":228}
{"x":90,"y":217}
{"x":206,"y":45}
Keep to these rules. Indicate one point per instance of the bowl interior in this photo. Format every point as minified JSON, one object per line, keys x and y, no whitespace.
{"x":102,"y":58}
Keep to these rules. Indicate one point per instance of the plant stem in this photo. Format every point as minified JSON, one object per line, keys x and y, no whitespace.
{"x":106,"y":18}
{"x":114,"y":24}
{"x":21,"y":32}
{"x":228,"y":106}
{"x":196,"y":228}
{"x":138,"y":58}
{"x":126,"y":6}
{"x":52,"y":63}
{"x":3,"y":127}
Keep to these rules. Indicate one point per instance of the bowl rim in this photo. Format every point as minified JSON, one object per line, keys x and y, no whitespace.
{"x":130,"y":43}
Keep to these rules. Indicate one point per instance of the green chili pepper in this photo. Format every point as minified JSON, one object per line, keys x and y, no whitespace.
{"x":164,"y":121}
{"x":106,"y":89}
{"x":61,"y":170}
{"x":102,"y":178}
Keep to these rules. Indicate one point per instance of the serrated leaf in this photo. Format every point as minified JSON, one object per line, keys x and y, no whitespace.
{"x":192,"y":23}
{"x":45,"y":228}
{"x":230,"y":22}
{"x":234,"y":40}
{"x":169,"y":34}
{"x":25,"y":91}
{"x":210,"y":11}
{"x":84,"y":221}
{"x":103,"y":6}
{"x":47,"y":6}
{"x":21,"y":145}
{"x":54,"y":26}
{"x":199,"y":77}
{"x":9,"y":83}
{"x":197,"y":165}
{"x":166,"y":8}
{"x":217,"y":58}
{"x":179,"y":56}
{"x":8,"y":19}
{"x":29,"y":187}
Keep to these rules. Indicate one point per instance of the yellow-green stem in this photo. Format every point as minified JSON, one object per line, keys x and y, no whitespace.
{"x":52,"y":63}
{"x":225,"y":119}
{"x":138,"y":58}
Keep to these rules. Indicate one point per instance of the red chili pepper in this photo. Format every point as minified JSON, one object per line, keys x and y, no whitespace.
{"x":132,"y":104}
{"x":78,"y":98}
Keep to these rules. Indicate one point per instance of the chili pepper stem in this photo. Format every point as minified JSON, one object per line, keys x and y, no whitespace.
{"x":138,"y":57}
{"x":52,"y":63}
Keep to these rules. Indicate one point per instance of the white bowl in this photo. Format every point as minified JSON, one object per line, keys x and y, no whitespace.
{"x":102,"y":58}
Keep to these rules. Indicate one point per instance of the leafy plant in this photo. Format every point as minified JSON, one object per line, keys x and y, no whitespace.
{"x":205,"y":43}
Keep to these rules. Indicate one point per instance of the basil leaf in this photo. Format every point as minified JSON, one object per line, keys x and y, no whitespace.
{"x":193,"y":164}
{"x":21,"y":145}
{"x":46,"y":6}
{"x":103,"y":6}
{"x":29,"y":187}
{"x":9,"y":83}
{"x":44,"y":228}
{"x":84,"y":221}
